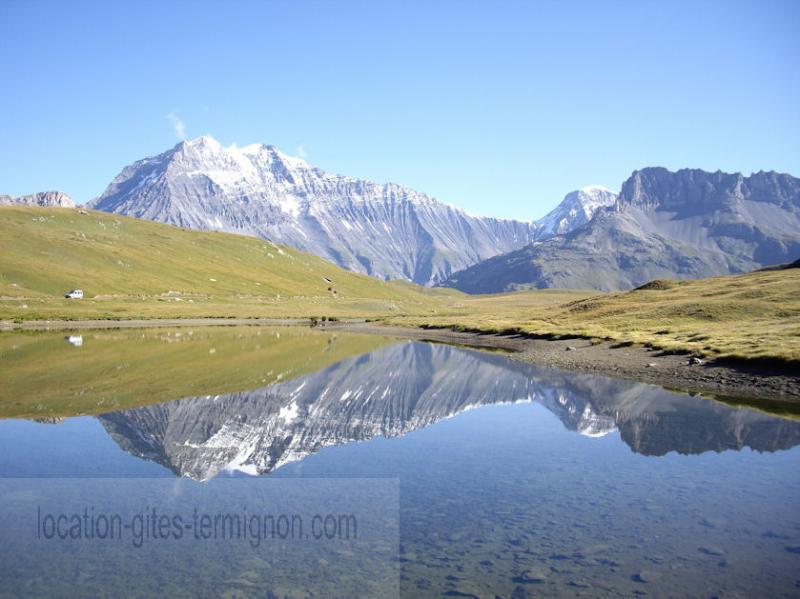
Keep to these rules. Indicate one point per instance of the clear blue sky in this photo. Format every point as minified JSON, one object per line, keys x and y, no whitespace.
{"x":498,"y":107}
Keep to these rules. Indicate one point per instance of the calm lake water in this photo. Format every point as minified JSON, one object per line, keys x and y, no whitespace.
{"x":344,"y":465}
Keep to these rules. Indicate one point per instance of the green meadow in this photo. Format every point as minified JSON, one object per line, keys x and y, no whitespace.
{"x":136,"y":269}
{"x":131,"y":268}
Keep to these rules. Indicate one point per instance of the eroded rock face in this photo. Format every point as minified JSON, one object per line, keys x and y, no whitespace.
{"x":43,"y":199}
{"x":407,"y":386}
{"x":664,"y":225}
{"x":385,"y":230}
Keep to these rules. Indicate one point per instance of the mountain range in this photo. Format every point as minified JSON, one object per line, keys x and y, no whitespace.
{"x":43,"y":199}
{"x":385,"y":230}
{"x":662,"y":225}
{"x":407,"y":386}
{"x":687,"y":224}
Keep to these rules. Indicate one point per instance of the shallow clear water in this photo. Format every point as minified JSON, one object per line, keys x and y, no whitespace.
{"x":471,"y":475}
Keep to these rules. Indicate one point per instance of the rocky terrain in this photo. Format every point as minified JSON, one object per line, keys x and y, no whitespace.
{"x":43,"y":199}
{"x":575,"y":210}
{"x":687,"y":224}
{"x":385,"y":230}
{"x":664,"y":225}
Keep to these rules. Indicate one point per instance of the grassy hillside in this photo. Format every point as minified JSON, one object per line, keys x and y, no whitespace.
{"x":135,"y":268}
{"x":132,"y":268}
{"x":44,"y":376}
{"x":750,"y":316}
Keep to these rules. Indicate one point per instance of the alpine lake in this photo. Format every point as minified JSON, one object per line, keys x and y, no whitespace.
{"x":297,"y":462}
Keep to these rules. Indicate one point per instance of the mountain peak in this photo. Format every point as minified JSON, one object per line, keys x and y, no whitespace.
{"x":665,"y":225}
{"x":384,"y":230}
{"x":247,"y":157}
{"x":199,"y":146}
{"x":203,"y":141}
{"x":575,"y":210}
{"x":594,"y":189}
{"x":274,"y":153}
{"x":695,"y":191}
{"x":254,"y":148}
{"x":43,"y":199}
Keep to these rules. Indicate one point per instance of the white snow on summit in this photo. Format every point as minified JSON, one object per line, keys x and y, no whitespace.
{"x":385,"y":230}
{"x":577,"y":209}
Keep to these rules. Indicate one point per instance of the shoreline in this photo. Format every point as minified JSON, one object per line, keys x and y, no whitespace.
{"x":753,"y":382}
{"x":773,"y":385}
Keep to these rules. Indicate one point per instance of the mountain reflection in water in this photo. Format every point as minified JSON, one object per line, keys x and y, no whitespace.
{"x":409,"y":385}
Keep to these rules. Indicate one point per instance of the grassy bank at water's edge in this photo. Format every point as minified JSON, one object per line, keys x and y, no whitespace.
{"x":754,"y":316}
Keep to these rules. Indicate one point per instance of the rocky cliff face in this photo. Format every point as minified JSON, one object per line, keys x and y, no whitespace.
{"x":411,"y":385}
{"x":384,"y":230}
{"x":43,"y":199}
{"x":682,"y":225}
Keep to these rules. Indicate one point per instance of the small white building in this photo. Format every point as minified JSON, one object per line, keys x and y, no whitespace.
{"x":74,"y":294}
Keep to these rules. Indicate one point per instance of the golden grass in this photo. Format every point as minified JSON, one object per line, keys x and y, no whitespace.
{"x":754,"y":316}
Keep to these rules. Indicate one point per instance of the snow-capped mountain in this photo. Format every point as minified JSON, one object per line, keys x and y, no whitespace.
{"x":385,"y":230}
{"x":575,"y":210}
{"x":410,"y":385}
{"x":42,"y":199}
{"x":388,"y":393}
{"x":687,"y":224}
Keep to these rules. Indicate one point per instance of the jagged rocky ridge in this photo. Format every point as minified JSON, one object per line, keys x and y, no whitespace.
{"x":682,"y":225}
{"x":575,"y":210}
{"x":385,"y":230}
{"x":406,"y":386}
{"x":42,"y":199}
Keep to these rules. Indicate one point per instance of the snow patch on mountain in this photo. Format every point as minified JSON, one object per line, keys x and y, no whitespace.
{"x":385,"y":230}
{"x":575,"y":210}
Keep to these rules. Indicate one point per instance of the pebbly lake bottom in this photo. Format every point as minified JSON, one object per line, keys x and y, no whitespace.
{"x":467,"y":474}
